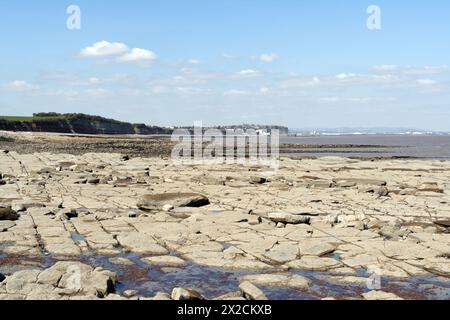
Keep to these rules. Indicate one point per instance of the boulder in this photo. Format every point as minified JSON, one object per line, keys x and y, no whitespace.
{"x":430,"y":187}
{"x":382,"y":191}
{"x":94,"y":181}
{"x":288,"y":218}
{"x":251,"y":292}
{"x":443,"y":223}
{"x":380,"y":295}
{"x":6,"y":213}
{"x":155,"y":202}
{"x":130,"y":293}
{"x":186,"y":294}
{"x":161,"y":296}
{"x":257,"y":180}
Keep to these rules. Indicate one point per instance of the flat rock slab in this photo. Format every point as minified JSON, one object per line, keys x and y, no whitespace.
{"x":5,"y":225}
{"x":312,"y":263}
{"x":121,"y":261}
{"x":63,"y":280}
{"x":278,"y":280}
{"x":315,"y":248}
{"x":165,"y":261}
{"x":153,"y":202}
{"x":141,"y":243}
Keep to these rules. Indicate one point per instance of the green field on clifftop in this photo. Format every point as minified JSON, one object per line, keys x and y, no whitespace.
{"x":30,"y":119}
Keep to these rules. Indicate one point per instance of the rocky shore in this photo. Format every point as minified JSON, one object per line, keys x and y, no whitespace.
{"x":95,"y":225}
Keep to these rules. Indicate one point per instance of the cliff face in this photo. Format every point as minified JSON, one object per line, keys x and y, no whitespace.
{"x":81,"y":124}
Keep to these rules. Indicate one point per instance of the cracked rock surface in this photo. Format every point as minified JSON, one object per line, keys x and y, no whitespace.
{"x":326,"y":215}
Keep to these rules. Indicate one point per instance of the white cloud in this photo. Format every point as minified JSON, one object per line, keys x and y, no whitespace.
{"x":386,"y":67}
{"x":264,"y":91}
{"x":359,"y":100}
{"x":248,"y":73}
{"x":426,"y":82}
{"x":193,"y":61}
{"x":104,"y":49}
{"x":427,"y":70}
{"x":137,"y":55}
{"x":410,"y":70}
{"x":120,"y":51}
{"x":299,"y":83}
{"x":94,"y":80}
{"x":329,"y":99}
{"x":343,"y":76}
{"x":230,"y":56}
{"x":20,"y":85}
{"x":268,"y":57}
{"x":235,"y":93}
{"x":385,"y":78}
{"x":59,"y":93}
{"x":98,"y":92}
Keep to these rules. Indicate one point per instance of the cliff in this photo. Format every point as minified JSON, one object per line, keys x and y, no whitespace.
{"x":76,"y":123}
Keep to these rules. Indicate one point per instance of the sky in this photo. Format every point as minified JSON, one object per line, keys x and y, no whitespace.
{"x":302,"y":64}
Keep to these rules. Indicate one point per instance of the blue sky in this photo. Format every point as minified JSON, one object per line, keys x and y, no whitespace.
{"x":173,"y":62}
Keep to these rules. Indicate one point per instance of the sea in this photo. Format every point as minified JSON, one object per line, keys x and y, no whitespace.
{"x":370,"y":146}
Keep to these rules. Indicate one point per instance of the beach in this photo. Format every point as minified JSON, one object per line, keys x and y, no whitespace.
{"x":100,"y":224}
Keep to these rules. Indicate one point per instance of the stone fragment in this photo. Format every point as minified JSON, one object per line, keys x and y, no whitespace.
{"x":251,"y":292}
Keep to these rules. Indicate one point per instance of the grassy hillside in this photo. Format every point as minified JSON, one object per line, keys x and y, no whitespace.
{"x":52,"y":116}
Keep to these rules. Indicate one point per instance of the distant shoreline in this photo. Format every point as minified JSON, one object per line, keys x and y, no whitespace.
{"x":371,"y":147}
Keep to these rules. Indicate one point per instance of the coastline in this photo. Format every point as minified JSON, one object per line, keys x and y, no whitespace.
{"x":141,"y":227}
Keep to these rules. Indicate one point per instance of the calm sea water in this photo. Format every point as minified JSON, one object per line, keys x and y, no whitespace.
{"x":424,"y":147}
